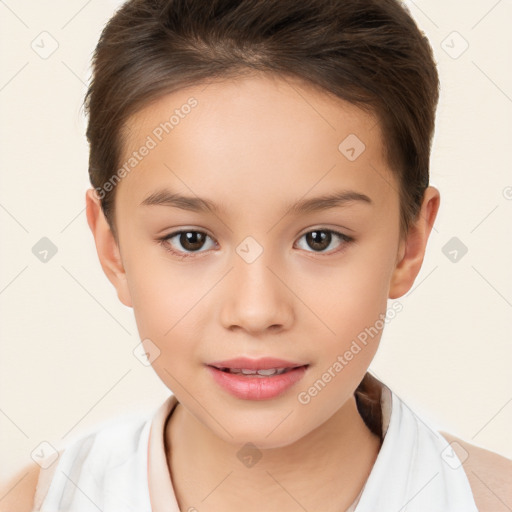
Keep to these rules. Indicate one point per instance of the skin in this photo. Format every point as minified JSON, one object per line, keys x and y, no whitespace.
{"x":254,"y":145}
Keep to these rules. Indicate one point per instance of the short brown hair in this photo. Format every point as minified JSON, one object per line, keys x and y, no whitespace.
{"x":368,"y":52}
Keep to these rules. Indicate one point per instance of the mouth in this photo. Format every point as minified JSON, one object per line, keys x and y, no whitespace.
{"x":261,"y":379}
{"x":262,"y":372}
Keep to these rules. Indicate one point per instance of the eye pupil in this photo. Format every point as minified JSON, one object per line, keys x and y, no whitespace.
{"x":192,"y":240}
{"x":318,"y":240}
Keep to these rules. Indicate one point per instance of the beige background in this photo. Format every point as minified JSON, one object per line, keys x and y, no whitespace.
{"x":66,"y":360}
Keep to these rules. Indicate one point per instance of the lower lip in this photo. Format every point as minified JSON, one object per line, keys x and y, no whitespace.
{"x":251,"y":387}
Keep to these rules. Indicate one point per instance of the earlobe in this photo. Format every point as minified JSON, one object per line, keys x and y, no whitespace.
{"x":107,"y":247}
{"x":412,"y":249}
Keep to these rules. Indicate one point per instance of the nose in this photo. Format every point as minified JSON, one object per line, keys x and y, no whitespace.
{"x":255,"y":298}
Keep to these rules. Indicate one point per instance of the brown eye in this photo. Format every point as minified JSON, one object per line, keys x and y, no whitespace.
{"x":186,"y":243}
{"x":318,"y":240}
{"x":321,"y":239}
{"x":192,"y":240}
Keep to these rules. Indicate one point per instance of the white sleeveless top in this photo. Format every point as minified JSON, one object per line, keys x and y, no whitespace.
{"x":122,"y":467}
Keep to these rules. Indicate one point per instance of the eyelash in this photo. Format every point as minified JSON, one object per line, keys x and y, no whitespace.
{"x":183,"y":255}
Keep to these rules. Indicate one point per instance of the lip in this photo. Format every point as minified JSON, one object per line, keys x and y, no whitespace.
{"x":262,"y":363}
{"x":254,"y":387}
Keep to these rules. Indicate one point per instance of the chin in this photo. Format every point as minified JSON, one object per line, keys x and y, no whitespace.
{"x":265,"y":434}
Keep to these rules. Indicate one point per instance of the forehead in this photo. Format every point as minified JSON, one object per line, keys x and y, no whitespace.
{"x":259,"y":136}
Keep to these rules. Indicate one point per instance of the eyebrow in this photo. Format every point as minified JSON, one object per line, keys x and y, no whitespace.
{"x":196,"y":204}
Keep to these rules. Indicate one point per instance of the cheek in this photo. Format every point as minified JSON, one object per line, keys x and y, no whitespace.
{"x":354,"y":307}
{"x":162,"y":292}
{"x":165,"y":299}
{"x":351,"y":295}
{"x":353,"y":303}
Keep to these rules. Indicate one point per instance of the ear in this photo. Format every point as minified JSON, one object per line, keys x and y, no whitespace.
{"x":412,"y":248}
{"x":107,"y":247}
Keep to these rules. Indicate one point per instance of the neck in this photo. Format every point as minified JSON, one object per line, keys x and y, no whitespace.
{"x":325,"y":470}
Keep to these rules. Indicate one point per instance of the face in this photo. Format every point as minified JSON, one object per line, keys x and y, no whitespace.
{"x":266,"y":269}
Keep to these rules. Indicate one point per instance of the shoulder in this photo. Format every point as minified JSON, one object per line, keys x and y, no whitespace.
{"x":107,"y":444}
{"x":489,"y":475}
{"x":17,"y":491}
{"x":27,"y":487}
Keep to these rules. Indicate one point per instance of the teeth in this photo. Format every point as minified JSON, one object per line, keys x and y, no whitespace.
{"x":264,"y":373}
{"x":270,"y":371}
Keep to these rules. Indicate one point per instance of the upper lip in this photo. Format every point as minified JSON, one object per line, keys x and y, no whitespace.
{"x":263,"y":363}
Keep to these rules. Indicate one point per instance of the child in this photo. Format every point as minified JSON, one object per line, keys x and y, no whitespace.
{"x":260,"y":175}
